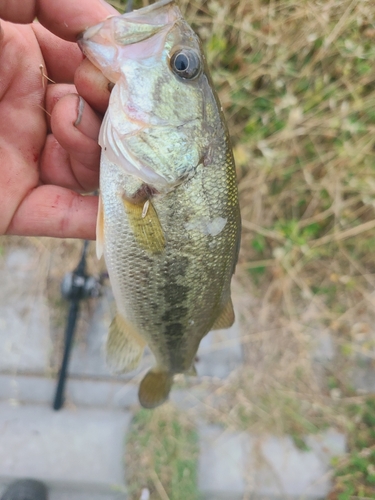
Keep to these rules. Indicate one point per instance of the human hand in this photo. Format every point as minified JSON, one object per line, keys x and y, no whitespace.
{"x":49,"y":154}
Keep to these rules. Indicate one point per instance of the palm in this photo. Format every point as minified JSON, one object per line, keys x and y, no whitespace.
{"x":22,"y":126}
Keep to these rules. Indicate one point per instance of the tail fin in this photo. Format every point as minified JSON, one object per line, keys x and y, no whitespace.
{"x":154,"y":388}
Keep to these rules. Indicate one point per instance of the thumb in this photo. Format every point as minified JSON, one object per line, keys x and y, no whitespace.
{"x":64,"y":18}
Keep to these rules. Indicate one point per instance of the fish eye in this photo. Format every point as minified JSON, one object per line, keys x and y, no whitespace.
{"x":186,"y":64}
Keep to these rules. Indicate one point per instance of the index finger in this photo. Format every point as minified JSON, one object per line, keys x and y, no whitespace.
{"x":64,"y":18}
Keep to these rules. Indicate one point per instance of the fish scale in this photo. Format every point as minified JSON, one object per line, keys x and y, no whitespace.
{"x":169,"y":221}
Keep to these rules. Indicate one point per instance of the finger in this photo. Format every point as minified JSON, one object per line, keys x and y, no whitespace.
{"x":73,"y":121}
{"x":18,"y":176}
{"x":92,"y":85}
{"x":56,"y":169}
{"x":76,"y":127}
{"x":55,"y":211}
{"x":20,"y":80}
{"x":65,"y":19}
{"x":11,"y":11}
{"x":61,"y":57}
{"x":54,"y":92}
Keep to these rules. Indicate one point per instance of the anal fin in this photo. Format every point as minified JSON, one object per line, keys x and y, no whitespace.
{"x":145,"y":224}
{"x":226,"y":317}
{"x":124,"y":347}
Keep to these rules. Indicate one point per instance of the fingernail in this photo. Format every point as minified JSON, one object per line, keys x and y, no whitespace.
{"x":81,"y":105}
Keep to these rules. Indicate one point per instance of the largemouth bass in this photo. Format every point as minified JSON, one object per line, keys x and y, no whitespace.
{"x":169,"y":220}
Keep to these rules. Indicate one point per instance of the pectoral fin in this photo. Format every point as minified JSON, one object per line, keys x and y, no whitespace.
{"x":226,"y":317}
{"x":155,"y":387}
{"x":145,"y":224}
{"x":124,"y":346}
{"x":100,"y":229}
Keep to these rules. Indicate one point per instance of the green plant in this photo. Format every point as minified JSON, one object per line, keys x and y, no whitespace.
{"x":355,"y":473}
{"x":161,"y":454}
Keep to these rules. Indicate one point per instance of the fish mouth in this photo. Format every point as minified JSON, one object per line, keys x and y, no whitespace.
{"x":135,"y":35}
{"x":132,"y":27}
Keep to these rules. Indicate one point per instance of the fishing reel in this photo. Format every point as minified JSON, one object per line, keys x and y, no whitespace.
{"x":80,"y":286}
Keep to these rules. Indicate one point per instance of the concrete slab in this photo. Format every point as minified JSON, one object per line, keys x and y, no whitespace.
{"x":26,"y":389}
{"x":221,"y":462}
{"x":107,"y":394}
{"x":235,"y":464}
{"x":220,"y":352}
{"x":362,"y":377}
{"x":60,"y":491}
{"x":69,"y":446}
{"x":73,"y":495}
{"x":323,"y":349}
{"x":88,"y":354}
{"x":24,"y":317}
{"x":189,"y":399}
{"x":87,"y":357}
{"x":277,"y":467}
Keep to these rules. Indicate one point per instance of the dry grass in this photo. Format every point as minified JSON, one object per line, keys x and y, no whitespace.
{"x":297,"y":84}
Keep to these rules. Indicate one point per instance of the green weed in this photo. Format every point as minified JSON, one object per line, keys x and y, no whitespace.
{"x":355,"y":473}
{"x":161,"y":455}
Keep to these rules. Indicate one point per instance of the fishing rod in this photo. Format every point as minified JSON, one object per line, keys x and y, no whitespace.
{"x":75,"y":287}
